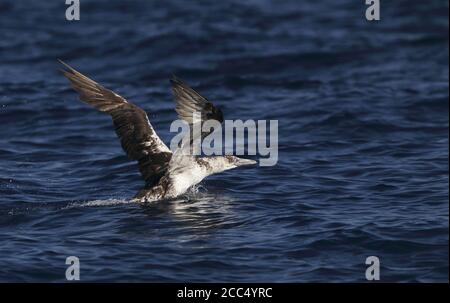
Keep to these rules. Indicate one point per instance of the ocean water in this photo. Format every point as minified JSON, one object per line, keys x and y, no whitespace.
{"x":363,"y":169}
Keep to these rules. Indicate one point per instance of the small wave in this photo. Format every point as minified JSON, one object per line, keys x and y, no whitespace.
{"x":95,"y":203}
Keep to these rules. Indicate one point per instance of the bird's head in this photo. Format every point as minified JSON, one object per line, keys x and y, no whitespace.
{"x":233,"y":162}
{"x":214,"y":165}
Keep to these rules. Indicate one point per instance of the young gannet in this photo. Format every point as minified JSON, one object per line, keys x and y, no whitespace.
{"x":166,"y":174}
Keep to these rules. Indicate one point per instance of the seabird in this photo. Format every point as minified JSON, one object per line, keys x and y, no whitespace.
{"x":167,"y":175}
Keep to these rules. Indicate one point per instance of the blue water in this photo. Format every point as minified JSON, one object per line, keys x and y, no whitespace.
{"x":363,"y":116}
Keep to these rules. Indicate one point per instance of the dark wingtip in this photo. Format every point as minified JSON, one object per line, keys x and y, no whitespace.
{"x":63,"y":63}
{"x":70,"y":69}
{"x":175,"y":80}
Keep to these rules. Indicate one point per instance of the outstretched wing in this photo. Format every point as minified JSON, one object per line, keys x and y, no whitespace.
{"x":189,"y":101}
{"x":137,"y":136}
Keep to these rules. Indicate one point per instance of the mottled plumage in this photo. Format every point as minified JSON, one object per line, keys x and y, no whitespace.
{"x":166,"y":175}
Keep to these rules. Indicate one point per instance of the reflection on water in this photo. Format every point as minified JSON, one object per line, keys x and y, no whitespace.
{"x":199,"y":210}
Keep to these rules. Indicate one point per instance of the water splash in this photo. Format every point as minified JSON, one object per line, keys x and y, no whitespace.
{"x":98,"y":203}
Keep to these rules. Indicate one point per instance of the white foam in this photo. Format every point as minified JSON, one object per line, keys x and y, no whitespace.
{"x":96,"y":203}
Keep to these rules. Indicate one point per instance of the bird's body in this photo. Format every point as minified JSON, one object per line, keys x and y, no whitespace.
{"x":182,"y":176}
{"x":166,"y":174}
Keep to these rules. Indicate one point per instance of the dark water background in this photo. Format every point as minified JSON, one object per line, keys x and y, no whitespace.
{"x":363,"y":131}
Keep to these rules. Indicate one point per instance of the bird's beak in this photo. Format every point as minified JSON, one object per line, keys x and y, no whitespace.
{"x":241,"y":162}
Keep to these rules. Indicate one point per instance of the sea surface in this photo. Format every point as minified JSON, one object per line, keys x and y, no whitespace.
{"x":363,"y":111}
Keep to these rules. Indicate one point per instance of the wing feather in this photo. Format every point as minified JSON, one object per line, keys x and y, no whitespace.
{"x":137,"y":136}
{"x":189,"y":101}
